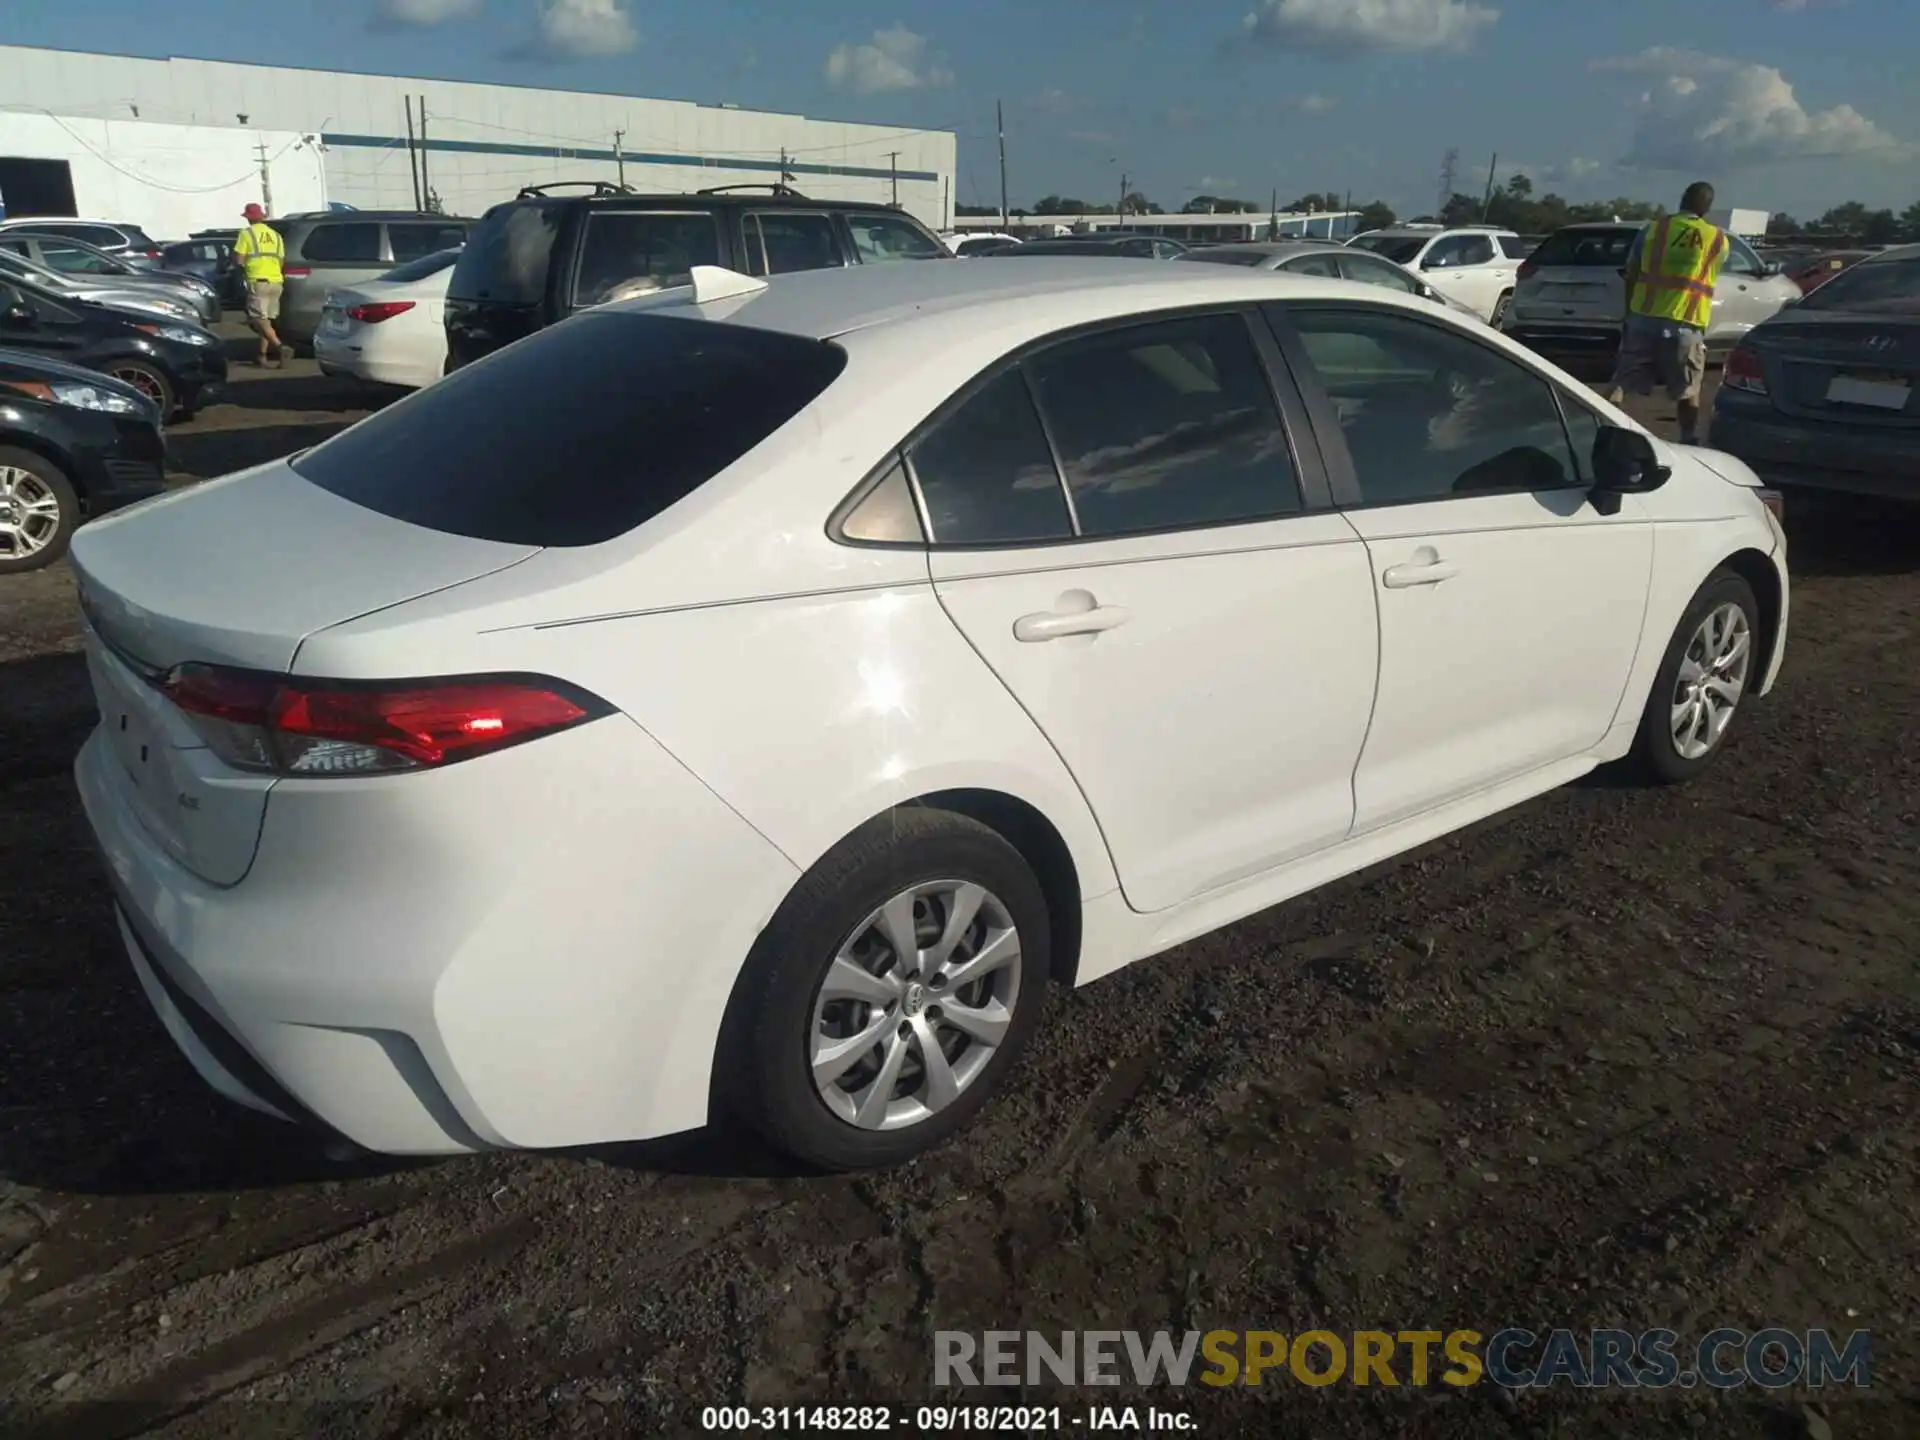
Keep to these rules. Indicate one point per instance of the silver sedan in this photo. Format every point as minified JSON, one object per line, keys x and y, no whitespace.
{"x":1329,"y":260}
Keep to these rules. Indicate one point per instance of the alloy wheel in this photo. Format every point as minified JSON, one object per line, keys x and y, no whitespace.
{"x":145,"y":381}
{"x":915,"y":1004}
{"x":1712,"y":678}
{"x":29,"y":513}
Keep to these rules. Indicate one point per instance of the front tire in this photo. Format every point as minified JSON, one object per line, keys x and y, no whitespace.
{"x":38,"y":511}
{"x":1710,"y":665}
{"x":149,"y":382}
{"x":894,"y":989}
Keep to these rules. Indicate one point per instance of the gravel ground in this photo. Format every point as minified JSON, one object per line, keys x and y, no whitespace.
{"x":1619,"y":1058}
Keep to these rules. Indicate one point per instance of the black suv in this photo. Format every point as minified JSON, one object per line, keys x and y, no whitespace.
{"x":535,"y":260}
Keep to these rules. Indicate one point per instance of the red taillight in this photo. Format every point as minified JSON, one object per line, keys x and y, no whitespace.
{"x":1527,"y":269}
{"x":295,"y":726}
{"x":384,"y":310}
{"x":1744,"y":372}
{"x":153,"y":254}
{"x":296,"y":272}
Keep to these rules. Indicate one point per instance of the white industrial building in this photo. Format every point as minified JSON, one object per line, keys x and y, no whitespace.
{"x":176,"y":145}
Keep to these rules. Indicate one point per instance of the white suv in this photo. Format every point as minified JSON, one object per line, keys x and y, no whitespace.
{"x":1476,"y":265}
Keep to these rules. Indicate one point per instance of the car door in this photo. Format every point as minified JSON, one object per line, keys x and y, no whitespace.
{"x":1125,"y":533}
{"x":1510,"y":605}
{"x":1464,"y":267}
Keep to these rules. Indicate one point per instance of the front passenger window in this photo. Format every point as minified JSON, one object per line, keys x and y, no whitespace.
{"x":1428,"y":413}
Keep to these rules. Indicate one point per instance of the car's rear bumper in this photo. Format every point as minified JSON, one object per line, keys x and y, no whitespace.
{"x":532,"y":949}
{"x":1816,"y":454}
{"x":1554,"y":337}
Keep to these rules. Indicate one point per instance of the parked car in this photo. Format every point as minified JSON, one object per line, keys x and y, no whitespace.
{"x":391,"y":331}
{"x":330,"y":249}
{"x":543,"y":256}
{"x":73,"y":444}
{"x":1572,"y":295}
{"x":1119,"y":247}
{"x":1330,"y":260}
{"x":209,"y":259}
{"x":1101,"y":610}
{"x":968,"y":243}
{"x":116,"y":237}
{"x":1826,"y":395}
{"x":87,"y":263}
{"x":149,"y":300}
{"x":1815,"y":270}
{"x":1475,"y":264}
{"x":176,"y":365}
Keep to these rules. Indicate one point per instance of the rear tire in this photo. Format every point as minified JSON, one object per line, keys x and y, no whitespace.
{"x":826,"y":1046}
{"x":1500,"y":308}
{"x":1711,"y":665}
{"x":39,"y":511}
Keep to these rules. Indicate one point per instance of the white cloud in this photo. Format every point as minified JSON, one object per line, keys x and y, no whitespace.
{"x":896,"y":59}
{"x":578,"y":30}
{"x":1351,"y":26}
{"x":1214,"y":184}
{"x":420,"y":14}
{"x":1706,"y":111}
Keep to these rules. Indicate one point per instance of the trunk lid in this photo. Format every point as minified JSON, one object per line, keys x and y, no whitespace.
{"x":1843,"y":366}
{"x":236,"y":572}
{"x":1573,"y":292}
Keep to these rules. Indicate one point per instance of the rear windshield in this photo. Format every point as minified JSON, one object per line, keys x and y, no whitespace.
{"x":1585,"y":247}
{"x":1888,"y":286}
{"x":423,"y":267}
{"x":1401,"y":249}
{"x":579,"y":433}
{"x":1226,"y":257}
{"x":507,"y":255}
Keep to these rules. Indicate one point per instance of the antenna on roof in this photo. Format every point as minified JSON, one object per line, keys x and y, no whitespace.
{"x":715,"y":282}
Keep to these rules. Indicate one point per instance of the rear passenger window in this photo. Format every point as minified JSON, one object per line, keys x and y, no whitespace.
{"x":782,"y":244}
{"x":411,"y":241}
{"x":639,"y":252}
{"x":354,"y":241}
{"x":1166,"y":426}
{"x":888,"y":237}
{"x":986,"y":474}
{"x":1428,"y":413}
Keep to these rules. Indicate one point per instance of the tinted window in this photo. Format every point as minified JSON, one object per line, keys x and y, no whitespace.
{"x":626,"y":252}
{"x":1583,"y":428}
{"x":411,"y":241}
{"x":1168,"y":425}
{"x":73,"y":260}
{"x":358,"y":241}
{"x":136,"y":235}
{"x":886,"y":515}
{"x":1428,"y":413}
{"x":1606,"y":248}
{"x":1885,"y":285}
{"x":782,"y":244}
{"x":655,"y":405}
{"x":1458,"y":250}
{"x":88,"y":234}
{"x":986,"y":474}
{"x":888,"y":237}
{"x":1370,"y":271}
{"x":984,"y":245}
{"x":507,"y":255}
{"x":423,"y":267}
{"x":1401,"y":249}
{"x":1516,"y":247}
{"x":1226,"y":257}
{"x":1322,"y":265}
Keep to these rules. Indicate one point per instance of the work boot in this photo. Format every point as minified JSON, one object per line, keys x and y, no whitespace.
{"x":1616,"y":396}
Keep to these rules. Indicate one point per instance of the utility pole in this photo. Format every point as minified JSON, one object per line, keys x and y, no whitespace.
{"x":893,"y":168}
{"x":1486,"y":204}
{"x":620,"y":160}
{"x":1000,"y":124}
{"x":1449,"y":177}
{"x":946,"y":202}
{"x":786,"y":167}
{"x":413,"y":157}
{"x":266,"y":180}
{"x":1273,"y":215}
{"x":1122,"y":212}
{"x":427,"y":201}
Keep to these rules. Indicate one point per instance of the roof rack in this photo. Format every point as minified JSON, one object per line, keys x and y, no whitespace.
{"x":598,"y":187}
{"x":777,"y":188}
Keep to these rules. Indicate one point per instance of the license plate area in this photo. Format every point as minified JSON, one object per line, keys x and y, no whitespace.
{"x":155,"y":766}
{"x":1878,"y":391}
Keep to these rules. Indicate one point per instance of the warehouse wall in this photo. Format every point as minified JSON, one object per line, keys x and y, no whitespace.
{"x":485,"y":141}
{"x":169,"y":179}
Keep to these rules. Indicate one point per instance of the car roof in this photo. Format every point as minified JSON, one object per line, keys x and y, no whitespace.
{"x":1432,"y":231}
{"x":823,"y":304}
{"x":1268,"y":247}
{"x":759,"y":200}
{"x":352,"y":215}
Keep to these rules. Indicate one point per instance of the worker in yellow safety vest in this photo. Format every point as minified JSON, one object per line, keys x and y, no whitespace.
{"x":1671,"y":272}
{"x":263,"y":252}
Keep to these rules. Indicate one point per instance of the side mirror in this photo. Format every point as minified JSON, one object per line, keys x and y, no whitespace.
{"x":1772,"y":267}
{"x":1624,"y":462}
{"x":19,"y":316}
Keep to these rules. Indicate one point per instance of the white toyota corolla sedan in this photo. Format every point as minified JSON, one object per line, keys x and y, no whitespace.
{"x":750,"y":699}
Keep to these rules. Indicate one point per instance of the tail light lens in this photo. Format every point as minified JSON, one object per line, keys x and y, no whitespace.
{"x":1744,"y":372}
{"x":384,"y":310}
{"x":1774,"y":501}
{"x":1527,"y":269}
{"x":296,"y":272}
{"x":290,"y":725}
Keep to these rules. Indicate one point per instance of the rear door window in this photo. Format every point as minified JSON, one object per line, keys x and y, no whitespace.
{"x":655,"y":407}
{"x":891,"y":237}
{"x":1368,"y":270}
{"x":412,"y":239}
{"x":355,"y":241}
{"x":73,"y":260}
{"x":780,"y":242}
{"x":508,"y":255}
{"x":1322,"y":265}
{"x":986,"y":474}
{"x":642,"y":251}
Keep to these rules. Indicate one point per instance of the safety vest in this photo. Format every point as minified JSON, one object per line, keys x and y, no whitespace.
{"x":1678,"y":268}
{"x":260,"y":247}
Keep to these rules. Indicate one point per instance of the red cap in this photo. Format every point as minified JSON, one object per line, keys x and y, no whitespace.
{"x":254,"y":212}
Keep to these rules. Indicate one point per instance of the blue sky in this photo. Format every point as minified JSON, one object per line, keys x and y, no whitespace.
{"x":1783,"y":104}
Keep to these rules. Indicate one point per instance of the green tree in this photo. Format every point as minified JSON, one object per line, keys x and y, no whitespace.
{"x":1520,"y":187}
{"x":1377,"y":215}
{"x":1910,"y":221}
{"x":1881,"y":228}
{"x":1847,"y":219}
{"x":1781,"y":223}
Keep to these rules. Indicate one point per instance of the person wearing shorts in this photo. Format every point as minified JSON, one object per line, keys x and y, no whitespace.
{"x":261,"y":250}
{"x":1671,"y":272}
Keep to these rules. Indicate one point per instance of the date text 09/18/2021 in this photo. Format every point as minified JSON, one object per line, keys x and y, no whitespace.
{"x":944,"y":1419}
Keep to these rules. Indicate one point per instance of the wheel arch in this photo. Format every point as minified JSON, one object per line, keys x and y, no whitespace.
{"x":1759,"y":573}
{"x":36,"y":444}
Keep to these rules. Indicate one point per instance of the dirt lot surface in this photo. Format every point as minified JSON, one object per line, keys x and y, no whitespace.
{"x":1621,"y":1058}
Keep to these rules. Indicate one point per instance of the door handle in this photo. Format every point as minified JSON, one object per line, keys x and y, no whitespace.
{"x":1418,"y":572}
{"x":1057,"y":624}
